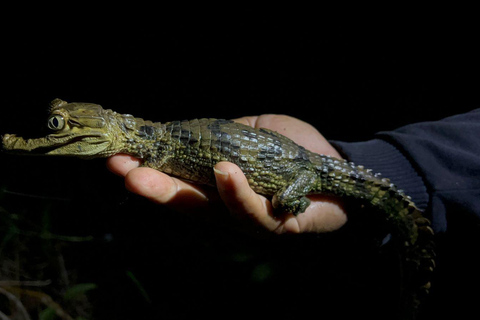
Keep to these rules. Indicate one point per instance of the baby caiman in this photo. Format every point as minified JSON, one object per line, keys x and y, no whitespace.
{"x":274,"y":165}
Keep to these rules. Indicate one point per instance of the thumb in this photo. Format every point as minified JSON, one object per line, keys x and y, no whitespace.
{"x":240,"y":199}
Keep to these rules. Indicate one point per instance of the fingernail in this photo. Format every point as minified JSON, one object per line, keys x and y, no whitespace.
{"x":225,"y":174}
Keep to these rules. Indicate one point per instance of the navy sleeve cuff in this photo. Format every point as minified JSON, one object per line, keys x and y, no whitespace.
{"x":385,"y":158}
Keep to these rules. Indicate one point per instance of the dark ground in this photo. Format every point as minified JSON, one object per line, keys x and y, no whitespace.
{"x":148,"y":262}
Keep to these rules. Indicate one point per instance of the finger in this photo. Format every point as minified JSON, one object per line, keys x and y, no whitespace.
{"x":240,"y":199}
{"x":324,"y":214}
{"x":121,"y":164}
{"x":163,"y":189}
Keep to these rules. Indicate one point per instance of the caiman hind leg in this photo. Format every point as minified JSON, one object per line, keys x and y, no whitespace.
{"x":292,"y":198}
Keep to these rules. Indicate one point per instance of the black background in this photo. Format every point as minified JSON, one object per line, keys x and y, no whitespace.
{"x":349,"y":78}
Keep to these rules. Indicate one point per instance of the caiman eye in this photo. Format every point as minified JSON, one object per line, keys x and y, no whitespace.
{"x":56,"y":122}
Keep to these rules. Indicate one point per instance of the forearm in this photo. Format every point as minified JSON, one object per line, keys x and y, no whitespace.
{"x":436,"y":163}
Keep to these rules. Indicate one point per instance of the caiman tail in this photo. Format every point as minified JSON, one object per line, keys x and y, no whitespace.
{"x":410,"y":230}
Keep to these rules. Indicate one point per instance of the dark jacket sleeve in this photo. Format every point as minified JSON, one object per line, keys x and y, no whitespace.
{"x":437,"y":163}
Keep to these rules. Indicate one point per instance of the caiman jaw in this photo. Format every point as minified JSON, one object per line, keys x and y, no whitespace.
{"x":57,"y":144}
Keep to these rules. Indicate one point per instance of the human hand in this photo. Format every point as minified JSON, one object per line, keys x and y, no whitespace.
{"x":233,"y":192}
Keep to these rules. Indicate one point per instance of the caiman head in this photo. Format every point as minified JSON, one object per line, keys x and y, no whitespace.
{"x":78,"y":129}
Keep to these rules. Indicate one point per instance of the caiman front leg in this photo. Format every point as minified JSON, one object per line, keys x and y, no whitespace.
{"x":292,"y":197}
{"x":161,"y":162}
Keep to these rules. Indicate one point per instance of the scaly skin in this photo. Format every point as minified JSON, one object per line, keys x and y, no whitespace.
{"x":273,"y":164}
